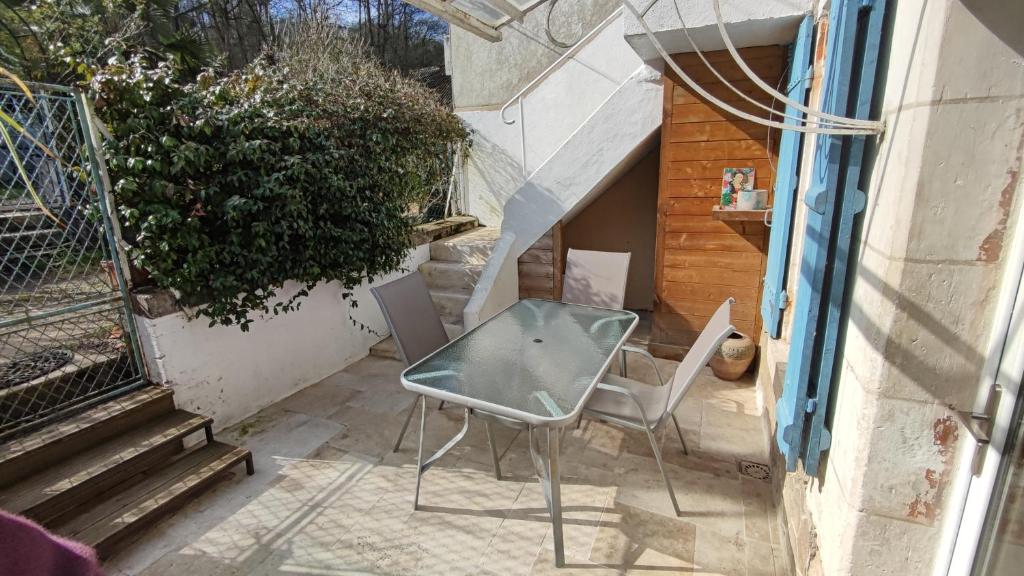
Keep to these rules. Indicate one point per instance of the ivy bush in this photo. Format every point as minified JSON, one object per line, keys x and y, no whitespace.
{"x":299,"y":167}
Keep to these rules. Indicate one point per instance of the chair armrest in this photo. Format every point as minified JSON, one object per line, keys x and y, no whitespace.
{"x":648,"y":356}
{"x":629,"y":393}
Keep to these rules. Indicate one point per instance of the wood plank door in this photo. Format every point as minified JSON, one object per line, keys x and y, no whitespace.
{"x":701,"y":261}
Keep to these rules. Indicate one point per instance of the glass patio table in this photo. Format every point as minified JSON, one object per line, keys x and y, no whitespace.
{"x":534,"y":365}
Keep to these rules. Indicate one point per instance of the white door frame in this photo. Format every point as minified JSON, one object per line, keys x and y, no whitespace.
{"x":969,"y":503}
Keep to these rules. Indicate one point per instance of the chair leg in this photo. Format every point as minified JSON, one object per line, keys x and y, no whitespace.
{"x":440,"y":406}
{"x":405,"y":426}
{"x":679,"y":431}
{"x":622,"y":363}
{"x":493,"y":443}
{"x":664,"y":475}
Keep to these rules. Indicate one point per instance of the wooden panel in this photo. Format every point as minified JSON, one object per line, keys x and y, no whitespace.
{"x":714,"y":242}
{"x":692,"y":59}
{"x":537,"y":255}
{"x":558,"y":260}
{"x":714,"y":168}
{"x":740,"y":310}
{"x":701,"y":112}
{"x":720,"y":276}
{"x":677,"y":223}
{"x":707,"y":292}
{"x":711,"y":259}
{"x":536,"y":283}
{"x":688,"y":206}
{"x":682,"y":95}
{"x":701,"y":261}
{"x":765,"y":67}
{"x":693,"y":188}
{"x":535,"y":269}
{"x":720,"y":150}
{"x":715,"y":131}
{"x":540,"y":268}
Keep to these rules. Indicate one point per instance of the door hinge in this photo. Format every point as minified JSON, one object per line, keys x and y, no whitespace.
{"x":782,"y":300}
{"x":979,"y":424}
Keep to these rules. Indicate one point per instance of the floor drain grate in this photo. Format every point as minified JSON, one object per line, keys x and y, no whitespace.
{"x":755,"y":470}
{"x":32,"y":366}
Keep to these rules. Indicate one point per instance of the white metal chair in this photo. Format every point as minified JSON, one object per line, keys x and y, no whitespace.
{"x":639,"y":406}
{"x":595,"y":278}
{"x":418,"y":332}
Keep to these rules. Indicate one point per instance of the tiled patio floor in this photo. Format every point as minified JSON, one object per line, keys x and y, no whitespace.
{"x":329,"y":497}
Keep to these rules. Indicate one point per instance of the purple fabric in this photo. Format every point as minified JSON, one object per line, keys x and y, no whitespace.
{"x":27,"y":549}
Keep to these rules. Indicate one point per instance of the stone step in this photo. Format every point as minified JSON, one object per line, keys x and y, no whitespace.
{"x":450,"y":276}
{"x":450,"y":304}
{"x":472,"y":247}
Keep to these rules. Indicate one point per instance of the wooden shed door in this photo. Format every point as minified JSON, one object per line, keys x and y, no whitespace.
{"x":701,"y":261}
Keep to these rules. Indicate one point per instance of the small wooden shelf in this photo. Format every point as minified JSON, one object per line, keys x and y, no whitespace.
{"x":719,"y":213}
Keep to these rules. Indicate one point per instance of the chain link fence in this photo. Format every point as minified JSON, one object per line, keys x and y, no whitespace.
{"x":67,"y":337}
{"x":448,"y":197}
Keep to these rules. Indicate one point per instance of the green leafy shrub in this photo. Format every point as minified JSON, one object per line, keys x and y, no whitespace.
{"x":299,"y":167}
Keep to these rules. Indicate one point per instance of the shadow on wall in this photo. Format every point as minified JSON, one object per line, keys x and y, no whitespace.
{"x":1006,"y":27}
{"x":942,"y":289}
{"x":500,"y":177}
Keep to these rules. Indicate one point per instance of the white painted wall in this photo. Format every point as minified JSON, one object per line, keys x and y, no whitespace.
{"x":596,"y":154}
{"x":502,"y":278}
{"x":229,"y":375}
{"x":487,"y":74}
{"x":940,"y":211}
{"x":551,"y":113}
{"x":748,"y":23}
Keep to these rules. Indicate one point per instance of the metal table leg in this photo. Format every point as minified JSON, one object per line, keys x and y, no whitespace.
{"x":422,"y":466}
{"x":550,"y":480}
{"x":554,"y":479}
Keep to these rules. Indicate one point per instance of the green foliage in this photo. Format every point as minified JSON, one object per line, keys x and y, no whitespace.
{"x":64,"y":41}
{"x":299,"y":167}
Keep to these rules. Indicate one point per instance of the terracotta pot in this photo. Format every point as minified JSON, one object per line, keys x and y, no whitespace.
{"x":733,"y":357}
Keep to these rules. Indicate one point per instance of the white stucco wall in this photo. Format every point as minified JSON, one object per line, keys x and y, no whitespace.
{"x":486,"y":74}
{"x":229,"y":375}
{"x":941,"y":201}
{"x":551,"y":113}
{"x":760,"y":23}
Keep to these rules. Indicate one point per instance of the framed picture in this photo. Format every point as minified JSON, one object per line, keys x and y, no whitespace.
{"x":733,"y":181}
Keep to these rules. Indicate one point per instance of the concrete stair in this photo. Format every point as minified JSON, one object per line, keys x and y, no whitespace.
{"x":451,"y":274}
{"x":104,"y":475}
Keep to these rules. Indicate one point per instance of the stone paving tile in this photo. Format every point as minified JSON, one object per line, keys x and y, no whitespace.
{"x":330,"y":496}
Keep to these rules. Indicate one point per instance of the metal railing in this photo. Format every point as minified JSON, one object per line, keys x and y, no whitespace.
{"x":67,"y":335}
{"x":565,"y":57}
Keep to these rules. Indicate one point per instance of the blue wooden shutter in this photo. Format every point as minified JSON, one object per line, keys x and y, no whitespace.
{"x":773,"y":297}
{"x":833,"y":201}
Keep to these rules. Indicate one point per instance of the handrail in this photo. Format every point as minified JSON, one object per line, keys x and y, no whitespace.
{"x":555,"y":65}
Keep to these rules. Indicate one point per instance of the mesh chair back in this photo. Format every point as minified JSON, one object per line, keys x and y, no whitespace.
{"x":595,"y":278}
{"x":717,"y":330}
{"x":409,"y":311}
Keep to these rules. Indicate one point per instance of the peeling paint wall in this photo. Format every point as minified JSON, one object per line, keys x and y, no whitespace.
{"x":940,"y":202}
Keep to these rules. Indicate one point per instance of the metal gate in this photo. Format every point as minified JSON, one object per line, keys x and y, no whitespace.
{"x":67,"y":335}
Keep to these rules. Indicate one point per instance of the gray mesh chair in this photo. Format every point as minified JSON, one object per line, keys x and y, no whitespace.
{"x":595,"y":278}
{"x":639,"y":406}
{"x":417,"y":329}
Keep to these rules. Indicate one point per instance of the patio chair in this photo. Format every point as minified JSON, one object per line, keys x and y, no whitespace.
{"x":418,"y":331}
{"x":595,"y":278}
{"x":639,"y":406}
